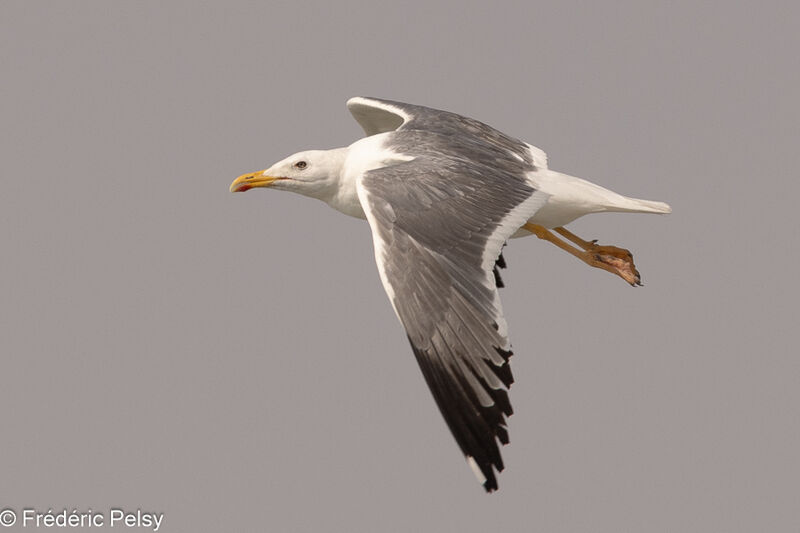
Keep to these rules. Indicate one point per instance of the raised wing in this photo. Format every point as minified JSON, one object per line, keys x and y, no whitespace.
{"x":438,"y":227}
{"x":376,"y":115}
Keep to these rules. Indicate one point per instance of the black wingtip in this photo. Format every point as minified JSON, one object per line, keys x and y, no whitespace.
{"x":498,"y":281}
{"x":485,"y":473}
{"x":479,"y":430}
{"x":498,"y":264}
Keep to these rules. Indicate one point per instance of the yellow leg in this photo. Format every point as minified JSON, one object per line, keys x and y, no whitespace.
{"x":609,"y":258}
{"x":574,"y":238}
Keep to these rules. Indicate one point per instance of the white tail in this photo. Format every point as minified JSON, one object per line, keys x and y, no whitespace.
{"x":635,"y":205}
{"x":572,"y":197}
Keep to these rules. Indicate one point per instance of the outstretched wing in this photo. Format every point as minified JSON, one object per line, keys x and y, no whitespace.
{"x":438,"y":224}
{"x":376,"y":115}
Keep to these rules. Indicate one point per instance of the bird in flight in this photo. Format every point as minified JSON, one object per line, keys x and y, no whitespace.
{"x":442,"y":194}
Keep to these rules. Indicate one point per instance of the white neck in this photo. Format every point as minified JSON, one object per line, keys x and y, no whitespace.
{"x":345,"y":166}
{"x":338,"y":190}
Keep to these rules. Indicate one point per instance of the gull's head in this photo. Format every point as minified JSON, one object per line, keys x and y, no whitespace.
{"x":311,"y":173}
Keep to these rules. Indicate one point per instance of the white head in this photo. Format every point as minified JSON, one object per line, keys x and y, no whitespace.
{"x":314,"y":173}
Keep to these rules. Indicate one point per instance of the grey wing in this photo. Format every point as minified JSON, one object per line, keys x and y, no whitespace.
{"x":437,"y":231}
{"x":376,"y":115}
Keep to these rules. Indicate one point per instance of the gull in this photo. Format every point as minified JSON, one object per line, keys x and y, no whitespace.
{"x":442,"y":194}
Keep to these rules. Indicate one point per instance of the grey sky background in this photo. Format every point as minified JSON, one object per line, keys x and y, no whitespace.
{"x":233,"y":361}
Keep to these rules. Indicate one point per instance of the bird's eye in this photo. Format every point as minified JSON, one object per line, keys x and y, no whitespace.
{"x":301,"y":165}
